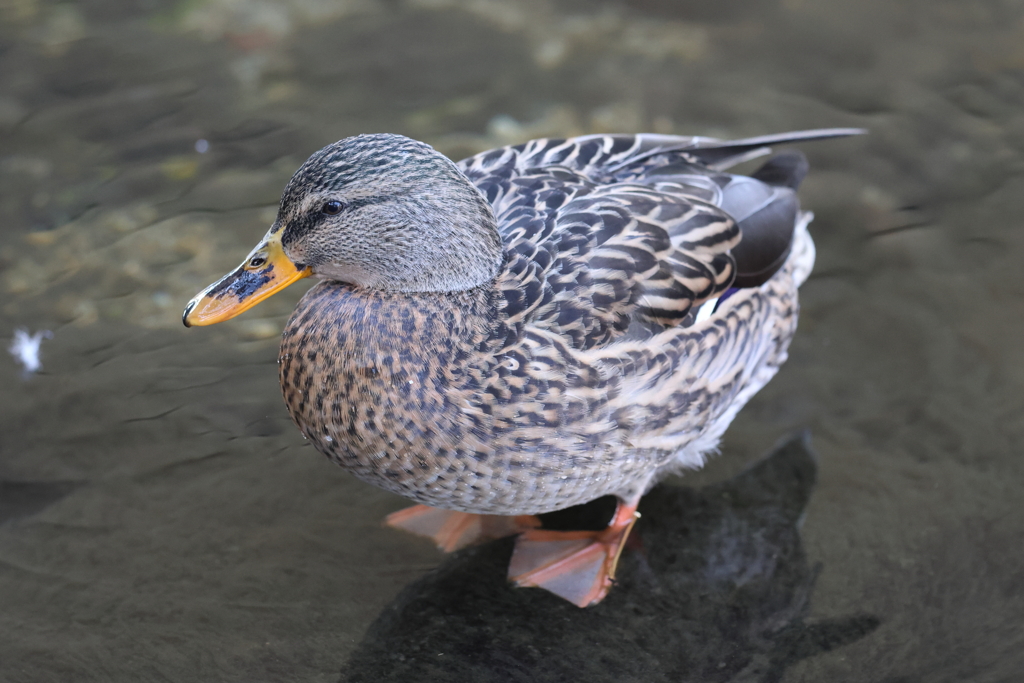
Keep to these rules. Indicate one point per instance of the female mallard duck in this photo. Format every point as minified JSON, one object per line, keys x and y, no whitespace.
{"x":532,"y":328}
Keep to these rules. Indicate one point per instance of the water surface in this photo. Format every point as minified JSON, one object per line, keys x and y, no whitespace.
{"x":160,"y":517}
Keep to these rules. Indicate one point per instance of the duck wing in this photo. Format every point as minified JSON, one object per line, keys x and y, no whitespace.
{"x":607,"y":235}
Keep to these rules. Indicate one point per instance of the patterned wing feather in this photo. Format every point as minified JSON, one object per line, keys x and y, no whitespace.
{"x":590,"y":255}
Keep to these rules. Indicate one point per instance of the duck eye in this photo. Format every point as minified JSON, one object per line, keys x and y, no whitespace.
{"x":257,"y":261}
{"x":333,"y":207}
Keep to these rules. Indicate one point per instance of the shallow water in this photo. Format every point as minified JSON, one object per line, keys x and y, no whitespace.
{"x":160,"y":517}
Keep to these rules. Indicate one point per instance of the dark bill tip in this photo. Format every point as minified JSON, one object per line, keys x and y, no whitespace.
{"x":184,"y":316}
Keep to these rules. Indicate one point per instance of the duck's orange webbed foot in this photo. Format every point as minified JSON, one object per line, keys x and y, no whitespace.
{"x":576,"y":565}
{"x":452,"y":530}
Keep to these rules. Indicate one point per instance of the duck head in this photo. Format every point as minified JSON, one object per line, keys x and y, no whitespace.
{"x":373,"y":211}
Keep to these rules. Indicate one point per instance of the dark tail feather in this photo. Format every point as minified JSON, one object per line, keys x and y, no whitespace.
{"x":786,"y":169}
{"x":767,"y":240}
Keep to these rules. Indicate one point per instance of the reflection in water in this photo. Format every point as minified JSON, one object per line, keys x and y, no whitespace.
{"x":715,"y":589}
{"x":203,"y":542}
{"x":19,"y":499}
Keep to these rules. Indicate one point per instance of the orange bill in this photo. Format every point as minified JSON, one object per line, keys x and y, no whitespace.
{"x":265,"y":271}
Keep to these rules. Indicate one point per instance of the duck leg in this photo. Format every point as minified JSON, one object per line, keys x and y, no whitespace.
{"x":453,"y":530}
{"x":576,"y":565}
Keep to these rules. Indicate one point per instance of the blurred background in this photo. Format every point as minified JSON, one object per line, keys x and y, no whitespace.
{"x":160,"y":517}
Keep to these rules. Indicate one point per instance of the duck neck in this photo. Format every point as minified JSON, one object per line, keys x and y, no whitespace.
{"x":458,"y":247}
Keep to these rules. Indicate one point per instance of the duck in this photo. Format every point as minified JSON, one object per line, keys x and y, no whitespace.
{"x":532,"y":328}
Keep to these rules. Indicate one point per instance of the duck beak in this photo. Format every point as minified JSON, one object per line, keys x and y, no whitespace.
{"x":265,"y":271}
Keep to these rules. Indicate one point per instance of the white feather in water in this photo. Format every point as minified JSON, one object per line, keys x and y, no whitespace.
{"x":25,"y":348}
